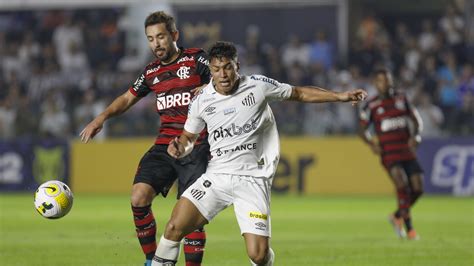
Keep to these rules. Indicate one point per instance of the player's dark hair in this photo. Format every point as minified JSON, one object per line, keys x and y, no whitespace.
{"x":161,"y":17}
{"x":388,"y":74}
{"x":223,"y":50}
{"x":382,"y":71}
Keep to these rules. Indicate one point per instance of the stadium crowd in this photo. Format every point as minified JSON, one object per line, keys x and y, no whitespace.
{"x":59,"y":69}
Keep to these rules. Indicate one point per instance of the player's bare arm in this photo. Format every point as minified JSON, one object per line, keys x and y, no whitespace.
{"x":312,"y":94}
{"x":117,"y":107}
{"x":182,"y":146}
{"x":415,"y":140}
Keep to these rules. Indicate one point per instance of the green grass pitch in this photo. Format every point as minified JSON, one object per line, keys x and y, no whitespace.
{"x":307,"y":230}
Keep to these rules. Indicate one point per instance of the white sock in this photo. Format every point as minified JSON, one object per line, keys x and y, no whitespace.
{"x":167,"y":251}
{"x":270,"y":256}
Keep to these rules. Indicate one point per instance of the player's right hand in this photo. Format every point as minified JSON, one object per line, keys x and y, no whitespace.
{"x":91,"y":130}
{"x":375,"y":147}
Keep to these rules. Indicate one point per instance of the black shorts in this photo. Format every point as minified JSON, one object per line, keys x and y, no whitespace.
{"x":411,"y":167}
{"x":158,"y":169}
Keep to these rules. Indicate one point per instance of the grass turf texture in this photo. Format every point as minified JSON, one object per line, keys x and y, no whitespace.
{"x":306,"y":231}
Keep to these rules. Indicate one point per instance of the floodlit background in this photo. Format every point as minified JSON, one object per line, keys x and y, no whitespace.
{"x":62,"y":62}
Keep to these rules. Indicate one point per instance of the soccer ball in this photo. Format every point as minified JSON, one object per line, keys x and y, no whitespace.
{"x":53,"y":199}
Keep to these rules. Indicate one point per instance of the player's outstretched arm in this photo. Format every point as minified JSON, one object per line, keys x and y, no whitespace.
{"x":182,"y":146}
{"x":117,"y":107}
{"x":314,"y":94}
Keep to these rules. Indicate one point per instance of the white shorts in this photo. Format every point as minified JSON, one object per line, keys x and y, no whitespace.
{"x":212,"y":193}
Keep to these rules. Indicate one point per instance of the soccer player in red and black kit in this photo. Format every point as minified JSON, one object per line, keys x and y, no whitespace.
{"x":173,"y":77}
{"x":396,"y":125}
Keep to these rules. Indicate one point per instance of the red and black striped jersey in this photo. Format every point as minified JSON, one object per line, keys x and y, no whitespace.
{"x":390,"y":118}
{"x":172,"y":83}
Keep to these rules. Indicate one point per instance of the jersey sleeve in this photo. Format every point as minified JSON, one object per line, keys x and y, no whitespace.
{"x":408,"y":105}
{"x":202,"y":67}
{"x":272,"y":89}
{"x":140,"y":88}
{"x":194,"y":123}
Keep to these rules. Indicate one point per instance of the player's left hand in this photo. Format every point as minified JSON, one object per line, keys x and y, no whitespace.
{"x":175,"y":149}
{"x":353,"y":96}
{"x":198,"y":90}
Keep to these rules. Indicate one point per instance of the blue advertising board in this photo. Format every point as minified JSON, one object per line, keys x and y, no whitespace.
{"x":26,"y":163}
{"x":449,"y":165}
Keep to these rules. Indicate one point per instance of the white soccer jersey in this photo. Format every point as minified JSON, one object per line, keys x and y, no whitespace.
{"x":242,"y":131}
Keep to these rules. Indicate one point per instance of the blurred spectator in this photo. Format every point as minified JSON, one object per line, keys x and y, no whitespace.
{"x":367,"y":31}
{"x":131,"y":61}
{"x":75,"y":61}
{"x":26,"y":122}
{"x":54,"y":121}
{"x":295,"y":51}
{"x":7,"y":118}
{"x":10,"y":61}
{"x":321,"y":50}
{"x":464,"y":119}
{"x":463,"y":122}
{"x":297,"y":75}
{"x":412,"y":55}
{"x":274,"y":67}
{"x":87,"y":110}
{"x":358,"y":81}
{"x":447,"y":78}
{"x":43,"y":80}
{"x":113,"y":39}
{"x":29,"y":49}
{"x":67,"y":37}
{"x":427,"y":37}
{"x":402,"y":35}
{"x":253,"y":45}
{"x":249,"y":65}
{"x":431,"y":115}
{"x":466,"y":82}
{"x":386,"y":57}
{"x":289,"y":118}
{"x":318,"y":76}
{"x":429,"y":77}
{"x":452,"y":24}
{"x":319,"y":119}
{"x":345,"y":114}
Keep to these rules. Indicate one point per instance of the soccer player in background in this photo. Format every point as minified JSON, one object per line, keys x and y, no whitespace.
{"x":173,"y":77}
{"x":244,"y":153}
{"x":397,"y":127}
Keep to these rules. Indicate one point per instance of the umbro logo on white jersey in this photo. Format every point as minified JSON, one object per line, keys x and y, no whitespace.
{"x":156,"y":80}
{"x":210,"y":110}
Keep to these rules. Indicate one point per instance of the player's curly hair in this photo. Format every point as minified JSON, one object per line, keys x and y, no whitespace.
{"x":223,"y":49}
{"x":161,"y":17}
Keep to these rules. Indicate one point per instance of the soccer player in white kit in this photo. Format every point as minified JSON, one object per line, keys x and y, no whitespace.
{"x":245,"y":151}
